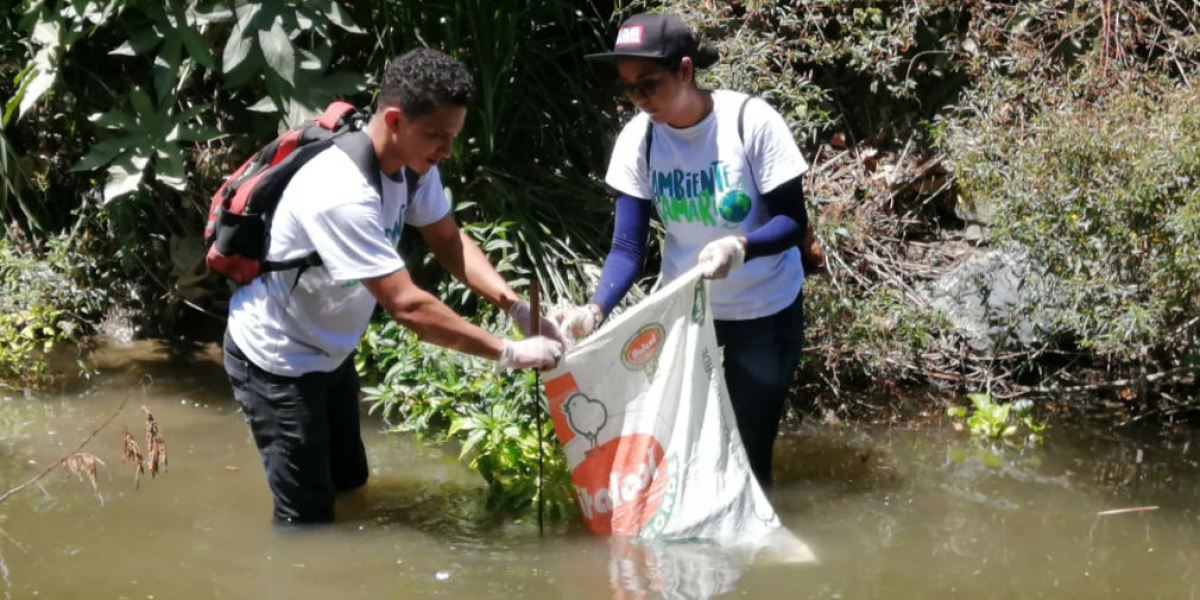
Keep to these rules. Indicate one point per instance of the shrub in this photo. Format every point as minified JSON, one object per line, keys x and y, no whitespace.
{"x":1114,"y":217}
{"x":444,"y":396}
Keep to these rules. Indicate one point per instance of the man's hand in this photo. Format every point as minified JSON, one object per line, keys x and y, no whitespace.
{"x":538,"y":352}
{"x":521,"y":314}
{"x":721,"y":256}
{"x":577,"y":321}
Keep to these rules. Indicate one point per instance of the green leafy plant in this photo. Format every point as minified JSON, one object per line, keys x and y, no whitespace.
{"x":142,"y":137}
{"x":991,"y":420}
{"x":41,"y":307}
{"x":54,"y":27}
{"x":288,"y":47}
{"x":442,"y":396}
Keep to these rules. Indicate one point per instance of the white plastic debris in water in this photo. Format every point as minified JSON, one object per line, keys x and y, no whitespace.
{"x":643,"y":413}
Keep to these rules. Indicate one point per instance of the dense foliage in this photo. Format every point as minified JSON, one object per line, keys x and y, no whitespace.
{"x":922,"y":118}
{"x":442,"y":396}
{"x":1062,"y":126}
{"x":1113,"y":217}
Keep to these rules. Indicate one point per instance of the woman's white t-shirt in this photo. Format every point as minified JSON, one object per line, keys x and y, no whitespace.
{"x":289,"y":326}
{"x":706,"y":184}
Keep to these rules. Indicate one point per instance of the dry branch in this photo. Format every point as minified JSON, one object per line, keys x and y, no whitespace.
{"x":64,"y":460}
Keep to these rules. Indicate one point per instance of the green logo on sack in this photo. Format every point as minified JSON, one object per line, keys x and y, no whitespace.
{"x":699,"y":303}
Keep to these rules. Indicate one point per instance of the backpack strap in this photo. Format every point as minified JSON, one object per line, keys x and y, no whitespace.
{"x":335,"y":115}
{"x":649,"y":141}
{"x":358,"y":146}
{"x":412,"y":181}
{"x":742,"y":134}
{"x":742,"y":118}
{"x":741,"y":128}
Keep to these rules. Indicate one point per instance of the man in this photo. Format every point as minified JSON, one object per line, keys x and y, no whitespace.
{"x":292,"y":333}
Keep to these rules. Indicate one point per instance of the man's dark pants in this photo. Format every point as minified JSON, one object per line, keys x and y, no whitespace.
{"x":307,"y":432}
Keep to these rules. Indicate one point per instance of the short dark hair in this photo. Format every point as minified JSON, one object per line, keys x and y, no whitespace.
{"x":419,"y":81}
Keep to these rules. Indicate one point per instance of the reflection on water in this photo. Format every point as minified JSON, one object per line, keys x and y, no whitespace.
{"x":889,"y":513}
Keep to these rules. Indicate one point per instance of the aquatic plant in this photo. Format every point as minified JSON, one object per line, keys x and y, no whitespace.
{"x":992,"y":420}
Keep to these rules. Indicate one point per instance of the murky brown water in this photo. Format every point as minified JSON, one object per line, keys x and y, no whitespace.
{"x":890,"y":514}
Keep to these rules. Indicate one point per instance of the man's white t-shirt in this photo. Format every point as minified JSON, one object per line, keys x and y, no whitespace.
{"x":289,"y":326}
{"x":706,"y":184}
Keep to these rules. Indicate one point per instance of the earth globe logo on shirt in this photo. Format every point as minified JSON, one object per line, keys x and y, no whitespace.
{"x":734,"y":207}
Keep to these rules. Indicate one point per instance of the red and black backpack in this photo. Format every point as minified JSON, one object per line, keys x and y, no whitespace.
{"x":238,"y":232}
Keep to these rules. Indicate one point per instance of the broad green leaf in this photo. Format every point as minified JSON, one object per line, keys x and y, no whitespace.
{"x":193,"y":112}
{"x":246,"y":13}
{"x":141,"y":103}
{"x":170,"y":168}
{"x":113,"y":119}
{"x":100,"y":154}
{"x":124,"y":177}
{"x":47,"y":33}
{"x":141,"y":43}
{"x":979,"y":400}
{"x":472,"y":441}
{"x":158,"y":14}
{"x":277,"y":49}
{"x":237,"y":49}
{"x":265,"y":105}
{"x":214,"y":14}
{"x":37,"y":81}
{"x":201,"y":133}
{"x":166,"y":67}
{"x":93,"y":12}
{"x":309,"y":61}
{"x":342,"y":83}
{"x":197,"y":48}
{"x":338,"y":17}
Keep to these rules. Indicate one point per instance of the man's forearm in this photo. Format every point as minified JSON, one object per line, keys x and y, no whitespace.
{"x":479,"y":275}
{"x":463,"y":258}
{"x":430,"y":319}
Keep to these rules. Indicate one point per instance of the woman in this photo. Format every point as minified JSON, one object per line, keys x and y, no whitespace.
{"x":724,"y":174}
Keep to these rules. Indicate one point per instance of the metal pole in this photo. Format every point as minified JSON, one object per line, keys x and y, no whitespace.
{"x":535,"y":327}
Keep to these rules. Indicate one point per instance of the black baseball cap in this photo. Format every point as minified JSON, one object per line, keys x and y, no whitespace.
{"x":651,"y":35}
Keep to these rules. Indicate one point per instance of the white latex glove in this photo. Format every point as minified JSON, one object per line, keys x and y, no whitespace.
{"x":577,"y":321}
{"x":520,"y":314}
{"x":721,"y":256}
{"x":537,"y":352}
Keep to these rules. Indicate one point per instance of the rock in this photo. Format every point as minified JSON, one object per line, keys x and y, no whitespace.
{"x":998,"y":300}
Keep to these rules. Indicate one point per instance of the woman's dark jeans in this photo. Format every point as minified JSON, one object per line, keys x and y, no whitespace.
{"x":760,"y":357}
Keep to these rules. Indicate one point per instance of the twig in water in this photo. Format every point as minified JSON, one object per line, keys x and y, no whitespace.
{"x":64,"y":459}
{"x":1121,"y":511}
{"x":4,"y":575}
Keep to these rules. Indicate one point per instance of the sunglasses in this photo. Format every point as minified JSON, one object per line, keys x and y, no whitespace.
{"x":644,"y":87}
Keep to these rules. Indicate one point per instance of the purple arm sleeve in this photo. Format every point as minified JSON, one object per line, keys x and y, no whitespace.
{"x":789,"y":220}
{"x":624,"y":261}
